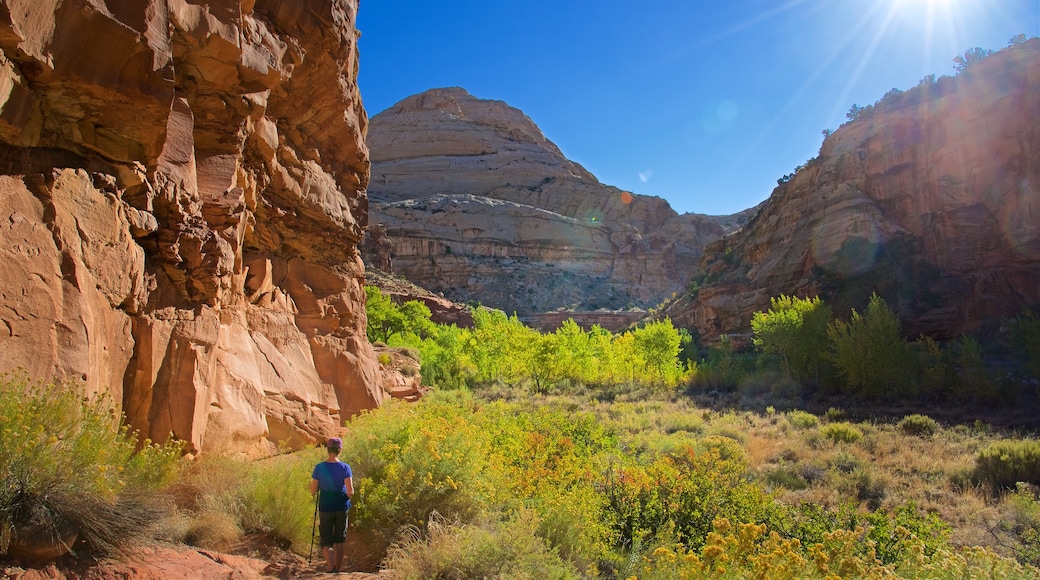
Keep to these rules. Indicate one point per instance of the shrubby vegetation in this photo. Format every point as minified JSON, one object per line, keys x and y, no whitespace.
{"x":68,"y":468}
{"x":866,"y":356}
{"x":501,"y":349}
{"x":928,"y":88}
{"x":581,"y":454}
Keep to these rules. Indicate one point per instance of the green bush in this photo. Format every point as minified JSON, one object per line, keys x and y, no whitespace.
{"x":841,"y":432}
{"x":1005,"y":463}
{"x":66,"y":463}
{"x":787,"y":476}
{"x":413,"y":460}
{"x":455,"y":551}
{"x":918,"y":425}
{"x":802,"y":419}
{"x":1023,"y":524}
{"x":1024,"y":340}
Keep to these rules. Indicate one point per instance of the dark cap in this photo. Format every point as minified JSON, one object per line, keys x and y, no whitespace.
{"x":335,"y":443}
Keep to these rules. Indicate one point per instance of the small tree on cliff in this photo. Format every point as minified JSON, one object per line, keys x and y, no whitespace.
{"x":971,"y":56}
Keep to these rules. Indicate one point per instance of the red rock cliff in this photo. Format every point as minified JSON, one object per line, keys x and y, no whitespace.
{"x":930,"y":198}
{"x":181,"y":198}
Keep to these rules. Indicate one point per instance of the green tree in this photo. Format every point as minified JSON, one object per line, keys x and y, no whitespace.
{"x":796,"y":330}
{"x":574,"y":350}
{"x":386,"y":318}
{"x":971,"y":57}
{"x":870,"y":353}
{"x":657,"y":343}
{"x":1024,"y":340}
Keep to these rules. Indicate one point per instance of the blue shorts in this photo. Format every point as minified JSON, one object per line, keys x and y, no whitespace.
{"x":333,"y":528}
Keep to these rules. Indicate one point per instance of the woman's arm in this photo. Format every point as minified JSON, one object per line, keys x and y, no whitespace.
{"x":314,"y":486}
{"x":349,"y":482}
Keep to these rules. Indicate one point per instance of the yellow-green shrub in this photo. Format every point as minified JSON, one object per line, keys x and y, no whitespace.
{"x":802,"y":419}
{"x":841,"y":432}
{"x":919,"y":425}
{"x":1007,"y":462}
{"x":413,"y":460}
{"x":67,"y":462}
{"x":487,"y":549}
{"x":748,"y":551}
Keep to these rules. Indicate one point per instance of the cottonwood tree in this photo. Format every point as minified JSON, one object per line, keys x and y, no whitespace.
{"x":870,"y":352}
{"x":796,"y":330}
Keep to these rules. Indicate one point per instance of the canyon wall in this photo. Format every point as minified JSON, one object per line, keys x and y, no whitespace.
{"x":929,"y":197}
{"x":181,"y":199}
{"x":479,"y":205}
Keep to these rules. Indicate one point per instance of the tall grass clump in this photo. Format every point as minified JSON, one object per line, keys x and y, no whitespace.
{"x":493,"y":549}
{"x":68,"y":466}
{"x":220,"y":499}
{"x":1006,"y":463}
{"x":284,"y":511}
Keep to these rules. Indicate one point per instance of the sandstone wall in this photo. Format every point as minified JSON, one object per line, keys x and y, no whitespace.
{"x":949,"y":171}
{"x":181,"y":198}
{"x":478,"y":204}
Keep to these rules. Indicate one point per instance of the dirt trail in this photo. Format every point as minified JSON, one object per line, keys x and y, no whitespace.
{"x":174,"y":562}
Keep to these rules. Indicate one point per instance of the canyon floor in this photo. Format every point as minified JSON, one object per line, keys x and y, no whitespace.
{"x":252,"y":559}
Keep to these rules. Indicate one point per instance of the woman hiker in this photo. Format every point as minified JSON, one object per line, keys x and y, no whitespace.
{"x":333,"y":481}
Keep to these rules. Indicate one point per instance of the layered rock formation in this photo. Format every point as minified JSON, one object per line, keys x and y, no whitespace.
{"x":930,"y":197}
{"x":181,"y":197}
{"x":479,"y":205}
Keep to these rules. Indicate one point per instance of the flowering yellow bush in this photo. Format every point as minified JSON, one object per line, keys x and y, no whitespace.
{"x":67,"y":462}
{"x":750,"y":551}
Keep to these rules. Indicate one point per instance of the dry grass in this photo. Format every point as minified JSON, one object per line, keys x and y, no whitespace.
{"x":822,"y":460}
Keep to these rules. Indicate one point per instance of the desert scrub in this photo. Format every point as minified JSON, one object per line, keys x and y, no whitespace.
{"x":413,"y":460}
{"x":802,"y":420}
{"x":919,"y":425}
{"x":1005,"y":463}
{"x":67,"y":463}
{"x":492,"y":549}
{"x":841,"y":432}
{"x":752,"y":551}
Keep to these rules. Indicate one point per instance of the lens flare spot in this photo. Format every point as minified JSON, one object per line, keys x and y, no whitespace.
{"x":626,"y":197}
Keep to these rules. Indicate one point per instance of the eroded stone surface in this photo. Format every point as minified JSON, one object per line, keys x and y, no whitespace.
{"x":934,"y":198}
{"x":479,"y":205}
{"x":181,"y":198}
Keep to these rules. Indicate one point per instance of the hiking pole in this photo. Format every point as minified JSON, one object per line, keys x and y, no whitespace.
{"x":314,"y":523}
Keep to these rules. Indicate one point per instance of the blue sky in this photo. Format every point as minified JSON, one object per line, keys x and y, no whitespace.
{"x":704,"y":104}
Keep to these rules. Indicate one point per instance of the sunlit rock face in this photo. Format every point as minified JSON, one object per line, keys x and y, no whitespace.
{"x":181,"y":198}
{"x":932,"y":199}
{"x":479,"y":205}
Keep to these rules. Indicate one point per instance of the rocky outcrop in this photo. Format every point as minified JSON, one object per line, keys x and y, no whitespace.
{"x":181,"y":198}
{"x":930,"y":197}
{"x":442,"y":310}
{"x":479,"y":205}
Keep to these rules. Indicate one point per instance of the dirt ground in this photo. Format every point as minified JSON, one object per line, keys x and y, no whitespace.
{"x":252,"y":559}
